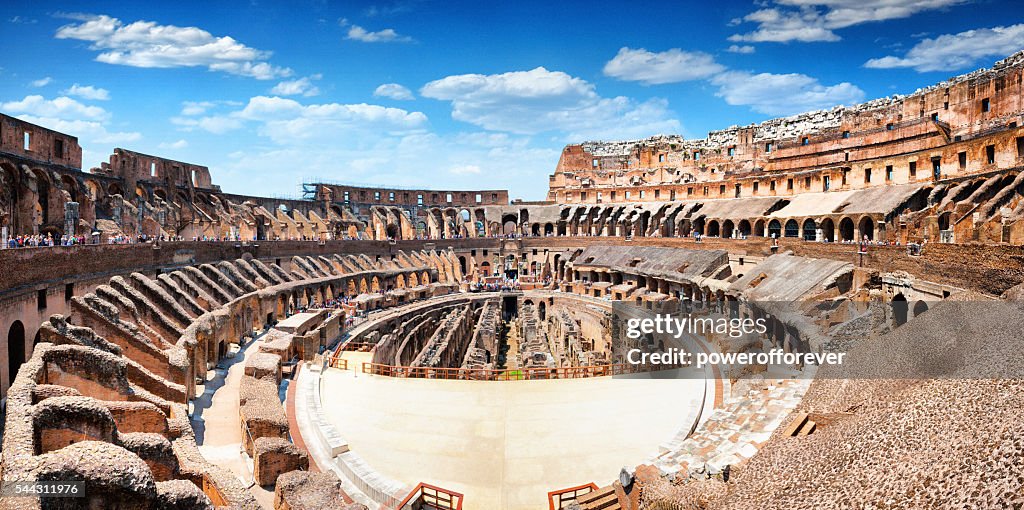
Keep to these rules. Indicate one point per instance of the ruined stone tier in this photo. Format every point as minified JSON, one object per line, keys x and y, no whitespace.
{"x":967,"y":125}
{"x":346,"y":195}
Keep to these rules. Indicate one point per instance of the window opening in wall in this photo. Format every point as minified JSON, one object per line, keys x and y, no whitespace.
{"x":69,"y":291}
{"x":479,"y":198}
{"x":58,"y":148}
{"x":888,"y":172}
{"x":807,"y":182}
{"x":755,"y":187}
{"x":961,"y":158}
{"x":152,"y":168}
{"x":376,"y":196}
{"x":824,"y":183}
{"x":990,"y":154}
{"x":1020,"y":146}
{"x":41,"y":299}
{"x":732,"y":151}
{"x":889,"y":126}
{"x":771,"y":186}
{"x":846,"y":134}
{"x":391,"y":196}
{"x":805,"y":141}
{"x":985,"y":105}
{"x":867,"y":175}
{"x":721,"y":189}
{"x":937,"y":167}
{"x":28,"y":141}
{"x":768,"y":147}
{"x":738,"y":191}
{"x":448,"y":197}
{"x":913,"y":168}
{"x":789,"y":184}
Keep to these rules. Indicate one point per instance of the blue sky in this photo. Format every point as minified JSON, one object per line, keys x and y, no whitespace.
{"x":458,"y":94}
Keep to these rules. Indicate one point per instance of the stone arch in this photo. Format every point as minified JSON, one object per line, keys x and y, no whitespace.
{"x":508,"y":224}
{"x":828,"y":230}
{"x":462,"y":263}
{"x":400,"y":281}
{"x":846,"y":232}
{"x":745,"y":229}
{"x":363,"y":287}
{"x":792,"y":228}
{"x":485,"y":268}
{"x":866,"y":226}
{"x":15,"y":350}
{"x":549,"y":229}
{"x":535,"y":229}
{"x":810,"y":230}
{"x":70,"y":185}
{"x":775,"y":229}
{"x":899,"y":309}
{"x":920,"y":307}
{"x":758,"y":228}
{"x":698,"y":226}
{"x":713,"y":229}
{"x":727,"y":228}
{"x":944,"y":220}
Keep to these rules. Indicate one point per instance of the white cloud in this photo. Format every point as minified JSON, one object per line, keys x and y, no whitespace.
{"x":22,"y":20}
{"x":816,"y":20}
{"x":86,"y":130}
{"x":393,"y":91}
{"x":41,"y":82}
{"x":180,"y":144}
{"x":88,"y":92}
{"x":744,"y":49}
{"x":539,"y":100}
{"x":951,"y":52}
{"x":217,"y":125}
{"x":147,"y":44}
{"x":286,"y":121}
{"x":60,"y":107}
{"x":671,"y":66}
{"x":783,"y":94}
{"x":302,"y":86}
{"x":191,"y":108}
{"x":465,"y":170}
{"x":358,"y":33}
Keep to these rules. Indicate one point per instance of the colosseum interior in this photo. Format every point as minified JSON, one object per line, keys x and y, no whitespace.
{"x":394,"y":348}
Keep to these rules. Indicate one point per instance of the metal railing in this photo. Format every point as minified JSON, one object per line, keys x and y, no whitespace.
{"x":338,"y":362}
{"x":484,"y":374}
{"x":431,"y":497}
{"x":560,"y":499}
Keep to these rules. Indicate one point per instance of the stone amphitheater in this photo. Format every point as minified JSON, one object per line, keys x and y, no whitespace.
{"x":391,"y":348}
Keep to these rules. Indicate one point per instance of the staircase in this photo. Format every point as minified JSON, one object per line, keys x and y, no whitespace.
{"x":601,"y":499}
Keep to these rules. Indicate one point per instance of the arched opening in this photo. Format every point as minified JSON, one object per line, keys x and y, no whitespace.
{"x":549,"y":229}
{"x":535,"y":229}
{"x":744,"y":227}
{"x":462,"y":263}
{"x":828,"y":230}
{"x":846,"y":229}
{"x":792,"y":228}
{"x":393,"y":232}
{"x":713,"y":230}
{"x":508,"y":224}
{"x":115,"y":189}
{"x":542,"y":310}
{"x":698,"y":226}
{"x":15,"y":350}
{"x":464,"y":214}
{"x":485,"y":268}
{"x":758,"y":229}
{"x":727,"y":228}
{"x":810,"y":230}
{"x":867,"y":228}
{"x":944,"y":220}
{"x":899,"y":310}
{"x":775,"y":229}
{"x":920,"y":307}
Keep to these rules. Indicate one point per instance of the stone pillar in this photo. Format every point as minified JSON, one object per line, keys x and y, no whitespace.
{"x":70,"y":217}
{"x":818,"y":235}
